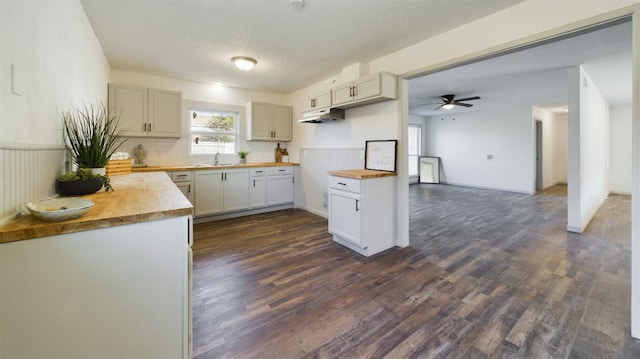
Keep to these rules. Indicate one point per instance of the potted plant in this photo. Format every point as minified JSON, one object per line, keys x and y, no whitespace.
{"x":82,"y":181}
{"x":243,"y":156}
{"x":91,"y":136}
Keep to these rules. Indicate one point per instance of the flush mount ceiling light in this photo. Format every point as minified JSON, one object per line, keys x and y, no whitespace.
{"x":297,"y":4}
{"x":244,"y":63}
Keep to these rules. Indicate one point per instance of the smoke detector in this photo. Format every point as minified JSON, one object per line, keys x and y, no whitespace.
{"x":297,"y":4}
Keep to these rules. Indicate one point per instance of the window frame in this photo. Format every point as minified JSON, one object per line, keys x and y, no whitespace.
{"x":190,"y":106}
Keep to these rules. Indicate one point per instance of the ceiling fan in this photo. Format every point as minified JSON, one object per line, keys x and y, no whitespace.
{"x":449,"y":101}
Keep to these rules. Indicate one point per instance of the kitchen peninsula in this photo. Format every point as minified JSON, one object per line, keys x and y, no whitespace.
{"x":112,"y":283}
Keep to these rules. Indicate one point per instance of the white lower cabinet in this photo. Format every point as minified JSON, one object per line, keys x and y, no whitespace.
{"x":115,"y":292}
{"x":361,"y":213}
{"x":258,"y":188}
{"x":184,"y":182}
{"x":236,"y":194}
{"x":221,"y":191}
{"x":241,"y":190}
{"x":280,"y":185}
{"x":345,"y":215}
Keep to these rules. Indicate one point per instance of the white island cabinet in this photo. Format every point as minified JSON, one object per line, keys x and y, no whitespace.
{"x":362,"y":210}
{"x":114,"y":283}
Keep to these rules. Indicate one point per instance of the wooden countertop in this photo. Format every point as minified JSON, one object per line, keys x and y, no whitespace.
{"x":361,"y":174}
{"x":164,"y":168}
{"x":138,"y":197}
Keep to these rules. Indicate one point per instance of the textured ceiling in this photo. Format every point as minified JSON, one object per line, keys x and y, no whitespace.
{"x":295,"y":47}
{"x":534,"y":76}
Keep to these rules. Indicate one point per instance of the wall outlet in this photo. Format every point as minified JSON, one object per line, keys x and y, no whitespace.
{"x":324,"y":199}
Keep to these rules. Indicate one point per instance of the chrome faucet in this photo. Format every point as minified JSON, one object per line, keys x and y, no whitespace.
{"x":217,"y":159}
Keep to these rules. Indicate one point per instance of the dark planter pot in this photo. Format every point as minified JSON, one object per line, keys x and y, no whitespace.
{"x":78,"y":188}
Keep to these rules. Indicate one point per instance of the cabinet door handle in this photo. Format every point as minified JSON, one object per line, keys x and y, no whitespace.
{"x":293,"y":180}
{"x":144,"y":127}
{"x":221,"y":176}
{"x":149,"y":127}
{"x":189,"y":188}
{"x":254,"y":183}
{"x":357,"y":201}
{"x":281,"y":170}
{"x":342,"y":184}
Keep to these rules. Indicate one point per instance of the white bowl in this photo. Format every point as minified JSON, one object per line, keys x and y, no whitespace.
{"x":59,"y":209}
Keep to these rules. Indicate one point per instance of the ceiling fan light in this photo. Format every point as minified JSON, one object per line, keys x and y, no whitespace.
{"x":447,"y":106}
{"x":244,"y":63}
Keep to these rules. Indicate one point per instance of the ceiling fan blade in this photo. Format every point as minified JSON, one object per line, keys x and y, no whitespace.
{"x":462,"y":104}
{"x":427,"y":104}
{"x":439,"y":107}
{"x":469,"y":98}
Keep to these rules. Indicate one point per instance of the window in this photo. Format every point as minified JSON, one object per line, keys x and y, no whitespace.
{"x":415,"y":141}
{"x":213,"y":131}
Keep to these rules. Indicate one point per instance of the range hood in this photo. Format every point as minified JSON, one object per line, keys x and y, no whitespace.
{"x":325,"y":115}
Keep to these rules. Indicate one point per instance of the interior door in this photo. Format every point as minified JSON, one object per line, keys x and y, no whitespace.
{"x":539,"y":144}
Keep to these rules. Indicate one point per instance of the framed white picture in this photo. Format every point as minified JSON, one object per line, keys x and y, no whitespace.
{"x":380,"y":155}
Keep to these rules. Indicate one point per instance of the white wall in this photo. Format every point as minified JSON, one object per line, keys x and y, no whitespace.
{"x":554,"y":147}
{"x":176,"y":151}
{"x":620,"y":149}
{"x":588,"y":175}
{"x":463,"y":141}
{"x":58,"y":62}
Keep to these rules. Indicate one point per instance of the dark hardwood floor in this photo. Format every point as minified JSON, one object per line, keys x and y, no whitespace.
{"x":488,"y":275}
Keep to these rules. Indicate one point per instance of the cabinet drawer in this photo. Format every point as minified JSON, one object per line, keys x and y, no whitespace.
{"x":287,"y":170}
{"x":345,"y":184}
{"x":181,"y":176}
{"x":257,"y":172}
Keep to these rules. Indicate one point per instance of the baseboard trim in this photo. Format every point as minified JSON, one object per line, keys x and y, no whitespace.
{"x":314,"y":211}
{"x":218,"y":217}
{"x":489,"y":188}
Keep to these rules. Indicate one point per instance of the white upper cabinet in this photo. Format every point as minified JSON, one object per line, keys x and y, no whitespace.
{"x":132,"y":104}
{"x":165,"y":108}
{"x":146,"y":112}
{"x":318,"y":102}
{"x":269,"y":122}
{"x":374,"y":88}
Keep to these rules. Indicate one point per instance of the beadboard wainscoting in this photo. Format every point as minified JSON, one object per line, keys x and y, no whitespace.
{"x":27,"y":173}
{"x":314,"y":165}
